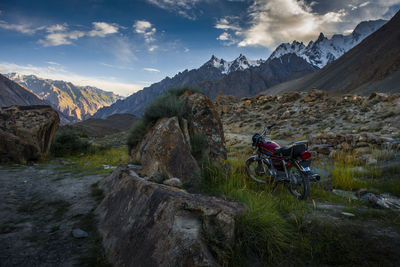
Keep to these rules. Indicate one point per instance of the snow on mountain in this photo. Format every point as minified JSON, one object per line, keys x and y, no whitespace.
{"x":325,"y":50}
{"x":240,"y":63}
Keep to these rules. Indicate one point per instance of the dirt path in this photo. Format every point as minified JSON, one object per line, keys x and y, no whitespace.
{"x":40,"y":206}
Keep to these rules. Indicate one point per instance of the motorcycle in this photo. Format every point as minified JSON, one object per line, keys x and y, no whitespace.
{"x":288,"y":165}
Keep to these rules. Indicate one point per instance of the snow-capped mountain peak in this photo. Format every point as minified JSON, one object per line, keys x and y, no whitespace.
{"x":240,"y":63}
{"x":324,"y":50}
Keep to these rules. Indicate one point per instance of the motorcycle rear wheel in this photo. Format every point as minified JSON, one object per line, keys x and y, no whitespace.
{"x":302,"y":190}
{"x":257,"y":170}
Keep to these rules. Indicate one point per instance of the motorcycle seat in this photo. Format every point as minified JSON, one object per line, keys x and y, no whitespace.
{"x":284,"y":151}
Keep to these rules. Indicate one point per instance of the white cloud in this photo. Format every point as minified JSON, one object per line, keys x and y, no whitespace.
{"x":151,"y":69}
{"x":152,"y":48}
{"x":57,"y":28}
{"x":116,"y":66}
{"x":276,"y":21}
{"x":145,"y":28}
{"x":60,"y":34}
{"x":22,"y":28}
{"x":185,"y":8}
{"x":186,"y":50}
{"x":102,"y":29}
{"x":61,"y":38}
{"x":54,"y":73}
{"x":141,"y":26}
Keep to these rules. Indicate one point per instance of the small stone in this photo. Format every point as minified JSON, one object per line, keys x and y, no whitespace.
{"x":157,"y":177}
{"x":175,"y":182}
{"x":79,"y":233}
{"x":345,"y":194}
{"x":347,"y":214}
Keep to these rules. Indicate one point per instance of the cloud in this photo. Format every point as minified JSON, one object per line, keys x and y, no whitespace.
{"x":185,"y":8}
{"x":121,"y":48}
{"x":56,"y":73}
{"x":22,"y":28}
{"x":151,"y":69}
{"x":102,"y":29}
{"x":117,"y":66}
{"x":61,"y":35}
{"x":145,"y":28}
{"x":276,"y":21}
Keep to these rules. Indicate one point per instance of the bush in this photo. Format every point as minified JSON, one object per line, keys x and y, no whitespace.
{"x":165,"y":106}
{"x":136,"y":134}
{"x":198,"y":143}
{"x":69,"y":142}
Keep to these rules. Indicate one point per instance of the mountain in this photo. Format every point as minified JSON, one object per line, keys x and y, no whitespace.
{"x":12,"y":93}
{"x":372,"y":65}
{"x":242,"y":77}
{"x":240,"y":63}
{"x":79,"y":102}
{"x":323,"y":50}
{"x":136,"y":103}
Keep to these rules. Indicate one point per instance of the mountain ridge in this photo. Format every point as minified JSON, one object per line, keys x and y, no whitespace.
{"x":240,"y":77}
{"x":72,"y":100}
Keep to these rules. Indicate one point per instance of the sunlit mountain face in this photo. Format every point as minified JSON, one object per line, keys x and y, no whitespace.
{"x":123,"y":46}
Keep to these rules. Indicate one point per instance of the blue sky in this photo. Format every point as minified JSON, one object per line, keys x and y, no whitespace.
{"x":123,"y":46}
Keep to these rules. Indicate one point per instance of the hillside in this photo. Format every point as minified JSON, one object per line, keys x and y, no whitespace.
{"x":79,"y":102}
{"x":373,"y":65}
{"x":13,"y":94}
{"x":101,"y":127}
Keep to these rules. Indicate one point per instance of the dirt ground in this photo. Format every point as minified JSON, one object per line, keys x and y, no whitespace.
{"x":40,"y":207}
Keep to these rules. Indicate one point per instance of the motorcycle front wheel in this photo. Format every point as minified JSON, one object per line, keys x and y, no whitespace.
{"x":301,"y":189}
{"x":257,"y":170}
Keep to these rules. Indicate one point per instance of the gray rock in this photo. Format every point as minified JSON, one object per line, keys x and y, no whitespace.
{"x":347,"y":214}
{"x":148,"y":224}
{"x":157,"y":177}
{"x":175,"y":182}
{"x":345,"y":194}
{"x":79,"y":233}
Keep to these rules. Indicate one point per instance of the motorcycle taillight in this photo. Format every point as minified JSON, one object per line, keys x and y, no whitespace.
{"x":305,"y":155}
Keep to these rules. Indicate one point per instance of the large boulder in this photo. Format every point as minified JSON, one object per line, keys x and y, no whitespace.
{"x":165,"y":149}
{"x":26,"y":132}
{"x":148,"y":224}
{"x":203,"y":119}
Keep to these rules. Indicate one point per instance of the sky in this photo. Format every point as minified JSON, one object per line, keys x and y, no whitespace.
{"x":125,"y":45}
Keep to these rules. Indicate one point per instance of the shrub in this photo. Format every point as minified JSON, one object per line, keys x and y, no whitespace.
{"x":136,"y":134}
{"x":198,"y":143}
{"x":69,"y":142}
{"x":165,"y":106}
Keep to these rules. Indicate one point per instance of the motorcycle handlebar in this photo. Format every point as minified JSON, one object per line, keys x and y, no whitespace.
{"x":269,"y":127}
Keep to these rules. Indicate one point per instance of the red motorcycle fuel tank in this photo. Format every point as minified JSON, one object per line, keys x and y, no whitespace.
{"x":268,"y":147}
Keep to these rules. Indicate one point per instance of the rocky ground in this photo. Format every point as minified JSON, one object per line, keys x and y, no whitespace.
{"x":45,"y":216}
{"x":311,"y":116}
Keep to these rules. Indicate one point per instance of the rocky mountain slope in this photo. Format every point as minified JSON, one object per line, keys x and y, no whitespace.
{"x":346,"y":122}
{"x":13,"y":94}
{"x":373,"y":65}
{"x":79,"y":102}
{"x":94,"y":127}
{"x":245,"y":81}
{"x":243,"y":77}
{"x":324,"y":50}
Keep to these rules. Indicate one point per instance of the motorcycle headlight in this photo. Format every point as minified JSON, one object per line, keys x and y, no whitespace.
{"x":254,"y":147}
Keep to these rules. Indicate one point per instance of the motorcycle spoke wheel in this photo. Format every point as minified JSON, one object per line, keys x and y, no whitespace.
{"x":302,"y":190}
{"x":256,"y":170}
